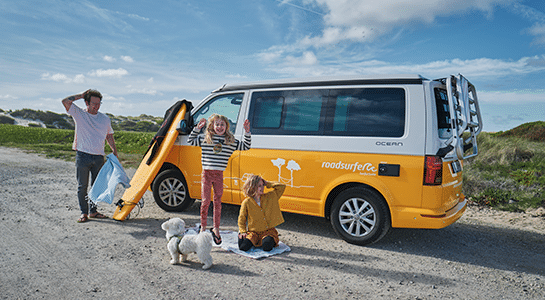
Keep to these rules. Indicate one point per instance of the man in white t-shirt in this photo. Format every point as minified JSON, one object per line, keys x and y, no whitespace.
{"x":92,"y":128}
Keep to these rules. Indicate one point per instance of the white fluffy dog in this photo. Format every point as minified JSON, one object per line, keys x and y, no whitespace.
{"x":180,"y":244}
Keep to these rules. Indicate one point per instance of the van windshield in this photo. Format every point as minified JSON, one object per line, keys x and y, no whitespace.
{"x":226,"y":105}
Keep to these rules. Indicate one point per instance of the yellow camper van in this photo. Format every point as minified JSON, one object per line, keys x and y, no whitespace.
{"x":367,"y":152}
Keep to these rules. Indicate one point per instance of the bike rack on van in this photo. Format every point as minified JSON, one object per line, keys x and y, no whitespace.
{"x":465,"y":116}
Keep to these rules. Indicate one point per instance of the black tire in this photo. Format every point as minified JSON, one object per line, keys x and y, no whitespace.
{"x":170,"y":191}
{"x":360,"y":216}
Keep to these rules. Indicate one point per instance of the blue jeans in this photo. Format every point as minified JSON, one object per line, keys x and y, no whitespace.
{"x":87,"y":163}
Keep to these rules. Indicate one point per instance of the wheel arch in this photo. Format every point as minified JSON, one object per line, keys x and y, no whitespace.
{"x":164,"y":167}
{"x":172,"y":192}
{"x":348,"y":185}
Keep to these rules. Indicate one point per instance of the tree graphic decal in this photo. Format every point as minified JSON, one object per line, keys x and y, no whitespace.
{"x":292,"y":166}
{"x":279,"y":162}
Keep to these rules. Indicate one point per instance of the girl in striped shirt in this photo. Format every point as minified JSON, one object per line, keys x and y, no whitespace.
{"x":218,"y":144}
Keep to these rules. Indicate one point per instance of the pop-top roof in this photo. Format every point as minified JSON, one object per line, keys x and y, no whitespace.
{"x":326,"y":81}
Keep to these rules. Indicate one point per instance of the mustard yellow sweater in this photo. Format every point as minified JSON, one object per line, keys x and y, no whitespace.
{"x":255,"y":218}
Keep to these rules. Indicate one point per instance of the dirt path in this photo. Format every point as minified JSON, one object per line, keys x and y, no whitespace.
{"x":45,"y":254}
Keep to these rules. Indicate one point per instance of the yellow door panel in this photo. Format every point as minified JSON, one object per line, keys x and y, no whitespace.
{"x":310,"y":176}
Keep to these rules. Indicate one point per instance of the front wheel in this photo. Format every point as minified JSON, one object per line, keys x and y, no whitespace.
{"x":170,"y":191}
{"x":360,"y":216}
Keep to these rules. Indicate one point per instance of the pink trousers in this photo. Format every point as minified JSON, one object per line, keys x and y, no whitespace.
{"x":211,"y":179}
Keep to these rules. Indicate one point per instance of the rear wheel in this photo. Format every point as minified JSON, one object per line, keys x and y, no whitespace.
{"x":170,"y":191}
{"x":360,"y":216}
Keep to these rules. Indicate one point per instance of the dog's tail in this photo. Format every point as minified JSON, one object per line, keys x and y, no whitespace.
{"x":204,"y":238}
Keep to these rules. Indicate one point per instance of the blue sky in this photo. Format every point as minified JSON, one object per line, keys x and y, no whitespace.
{"x":145,"y":55}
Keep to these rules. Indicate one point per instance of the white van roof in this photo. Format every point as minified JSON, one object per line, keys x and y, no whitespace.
{"x":326,"y":81}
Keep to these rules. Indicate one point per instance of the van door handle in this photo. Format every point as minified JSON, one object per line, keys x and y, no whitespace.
{"x":388,"y":170}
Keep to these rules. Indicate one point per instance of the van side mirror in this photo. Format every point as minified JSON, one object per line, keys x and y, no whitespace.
{"x":183,"y":127}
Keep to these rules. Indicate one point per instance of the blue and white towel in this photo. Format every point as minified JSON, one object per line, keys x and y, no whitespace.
{"x":230,"y":243}
{"x":111,"y":174}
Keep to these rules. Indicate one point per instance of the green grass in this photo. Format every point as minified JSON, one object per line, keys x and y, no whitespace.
{"x":57,"y":143}
{"x":508,"y":173}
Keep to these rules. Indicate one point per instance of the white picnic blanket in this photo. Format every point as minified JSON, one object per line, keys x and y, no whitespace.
{"x":229,"y":242}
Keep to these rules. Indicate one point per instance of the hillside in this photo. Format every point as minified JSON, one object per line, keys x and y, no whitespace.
{"x":37,"y":118}
{"x":534,"y":131}
{"x":509,"y":171}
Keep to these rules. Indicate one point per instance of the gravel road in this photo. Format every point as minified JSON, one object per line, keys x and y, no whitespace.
{"x":45,"y":254}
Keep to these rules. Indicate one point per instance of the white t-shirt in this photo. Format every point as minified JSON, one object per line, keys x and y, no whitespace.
{"x":91,"y":130}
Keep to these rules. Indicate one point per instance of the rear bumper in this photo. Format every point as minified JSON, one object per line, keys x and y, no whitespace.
{"x":427,"y":218}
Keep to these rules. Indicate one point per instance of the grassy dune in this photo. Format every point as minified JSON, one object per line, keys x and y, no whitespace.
{"x":509,"y":171}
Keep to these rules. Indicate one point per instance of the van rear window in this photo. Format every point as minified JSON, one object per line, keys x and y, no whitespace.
{"x":333,"y":112}
{"x":443,"y":113}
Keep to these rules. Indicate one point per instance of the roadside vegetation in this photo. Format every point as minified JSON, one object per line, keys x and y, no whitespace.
{"x":508,"y":173}
{"x":57,"y":143}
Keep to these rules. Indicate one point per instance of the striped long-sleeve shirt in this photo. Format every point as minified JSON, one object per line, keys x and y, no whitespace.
{"x":215,"y":156}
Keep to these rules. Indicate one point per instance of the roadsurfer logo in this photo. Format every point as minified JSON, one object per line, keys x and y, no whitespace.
{"x":363,"y":169}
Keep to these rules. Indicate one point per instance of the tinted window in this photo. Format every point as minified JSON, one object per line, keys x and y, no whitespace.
{"x":338,"y":112}
{"x":443,"y":113}
{"x":369,"y":112}
{"x":288,"y":112}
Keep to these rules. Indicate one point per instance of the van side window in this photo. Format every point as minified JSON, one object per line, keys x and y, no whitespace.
{"x":443,"y":114}
{"x":227,"y":105}
{"x":377,"y":112}
{"x":267,"y":112}
{"x":288,"y":112}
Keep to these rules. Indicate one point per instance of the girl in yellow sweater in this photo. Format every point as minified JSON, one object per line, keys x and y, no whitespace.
{"x":259,"y":214}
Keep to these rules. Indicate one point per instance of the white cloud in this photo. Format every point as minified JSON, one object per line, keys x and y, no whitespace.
{"x":109,"y":58}
{"x":271,"y":55}
{"x":137,"y":17}
{"x":535,"y":16}
{"x":365,"y":20}
{"x":80,"y":78}
{"x":109,"y":73}
{"x":538,"y":31}
{"x":145,"y":91}
{"x":309,"y":65}
{"x":127,"y":59}
{"x":55,"y":77}
{"x":307,"y":59}
{"x":235,"y":76}
{"x":512,"y":97}
{"x":8,"y":97}
{"x":58,"y":77}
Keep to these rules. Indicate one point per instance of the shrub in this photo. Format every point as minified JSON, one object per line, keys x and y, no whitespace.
{"x":492,"y":197}
{"x":7,"y":120}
